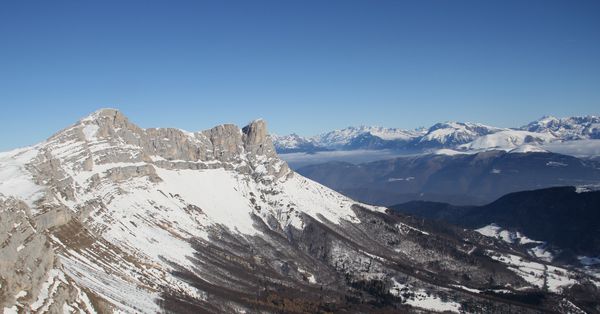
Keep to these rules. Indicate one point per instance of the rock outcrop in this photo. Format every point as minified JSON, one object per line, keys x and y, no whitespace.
{"x":123,"y":141}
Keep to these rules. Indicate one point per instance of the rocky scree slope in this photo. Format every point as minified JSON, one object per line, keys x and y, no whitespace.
{"x":108,"y":217}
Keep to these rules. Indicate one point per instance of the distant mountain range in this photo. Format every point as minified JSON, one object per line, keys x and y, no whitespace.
{"x":457,"y":136}
{"x":458,"y":179}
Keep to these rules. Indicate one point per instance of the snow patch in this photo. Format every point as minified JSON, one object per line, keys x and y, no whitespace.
{"x":541,"y":253}
{"x":15,"y":179}
{"x":450,"y":152}
{"x":401,"y":179}
{"x":421,"y":299}
{"x":507,"y":140}
{"x":11,"y":310}
{"x":526,"y":148}
{"x":537,"y":274}
{"x":406,"y":228}
{"x":513,"y":237}
{"x":556,"y":164}
{"x":90,"y":131}
{"x":216,"y":192}
{"x":589,"y":261}
{"x":21,"y":294}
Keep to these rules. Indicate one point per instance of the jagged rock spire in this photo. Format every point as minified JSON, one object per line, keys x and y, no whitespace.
{"x":256,"y":139}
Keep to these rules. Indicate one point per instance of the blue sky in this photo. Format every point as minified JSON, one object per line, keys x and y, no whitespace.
{"x":305,"y":66}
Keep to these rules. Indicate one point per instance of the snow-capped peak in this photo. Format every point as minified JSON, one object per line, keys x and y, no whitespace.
{"x":100,"y":113}
{"x":569,"y":128}
{"x":455,"y":133}
{"x":545,"y":120}
{"x":341,"y":137}
{"x":508,"y":140}
{"x":451,"y":135}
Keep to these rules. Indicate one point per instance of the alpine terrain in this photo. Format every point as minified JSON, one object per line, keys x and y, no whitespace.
{"x":107,"y":217}
{"x":564,"y":221}
{"x":571,"y":134}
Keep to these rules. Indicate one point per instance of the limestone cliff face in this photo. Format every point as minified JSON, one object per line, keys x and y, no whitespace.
{"x":27,"y":259}
{"x":122,"y":141}
{"x":255,"y":138}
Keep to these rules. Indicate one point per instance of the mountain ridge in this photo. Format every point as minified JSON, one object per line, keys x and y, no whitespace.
{"x":105,"y":216}
{"x":563,"y":217}
{"x":451,"y":134}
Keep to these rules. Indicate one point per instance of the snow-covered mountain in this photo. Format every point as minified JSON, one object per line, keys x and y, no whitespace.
{"x":294,"y":143}
{"x":571,"y":128}
{"x":566,"y":231}
{"x":105,"y":217}
{"x":450,"y":134}
{"x":344,"y":138}
{"x":508,"y":140}
{"x":350,"y":138}
{"x":457,"y":136}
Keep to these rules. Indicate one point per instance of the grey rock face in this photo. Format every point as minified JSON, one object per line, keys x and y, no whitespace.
{"x":25,"y":253}
{"x":125,"y":173}
{"x":255,"y":140}
{"x":223,"y":144}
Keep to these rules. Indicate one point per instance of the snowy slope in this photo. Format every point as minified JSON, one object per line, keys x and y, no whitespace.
{"x":527,"y":148}
{"x":14,"y":177}
{"x":508,"y":140}
{"x":455,"y":133}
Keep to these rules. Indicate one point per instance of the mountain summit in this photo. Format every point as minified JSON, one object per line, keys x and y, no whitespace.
{"x":105,"y":217}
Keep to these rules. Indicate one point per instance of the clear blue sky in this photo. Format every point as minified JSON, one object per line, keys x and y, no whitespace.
{"x":305,"y":66}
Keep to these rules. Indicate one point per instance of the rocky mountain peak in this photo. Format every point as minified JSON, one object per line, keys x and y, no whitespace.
{"x":103,"y":113}
{"x":108,"y":137}
{"x":256,"y":132}
{"x":108,"y":118}
{"x":256,"y":139}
